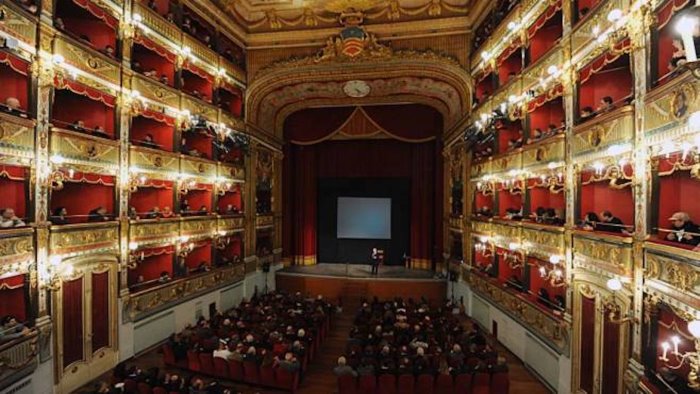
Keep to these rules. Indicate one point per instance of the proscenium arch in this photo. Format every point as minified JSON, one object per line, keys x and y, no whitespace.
{"x":287,"y":87}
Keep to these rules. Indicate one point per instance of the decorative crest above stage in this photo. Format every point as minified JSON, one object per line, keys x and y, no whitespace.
{"x":353,"y":42}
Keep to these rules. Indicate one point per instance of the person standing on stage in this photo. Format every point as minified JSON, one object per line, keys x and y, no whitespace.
{"x":375,"y":261}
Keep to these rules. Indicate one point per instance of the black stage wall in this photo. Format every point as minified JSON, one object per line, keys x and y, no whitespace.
{"x":334,"y":250}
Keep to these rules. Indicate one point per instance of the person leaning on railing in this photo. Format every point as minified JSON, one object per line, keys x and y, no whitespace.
{"x":683,"y":230}
{"x":8,"y":219}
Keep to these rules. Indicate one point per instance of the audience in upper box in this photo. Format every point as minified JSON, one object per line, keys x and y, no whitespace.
{"x":98,"y":214}
{"x":484,"y":212}
{"x":552,"y":129}
{"x":606,"y":222}
{"x":60,"y":216}
{"x":515,"y":143}
{"x":549,"y":216}
{"x":29,"y":5}
{"x":8,"y":219}
{"x":678,"y":58}
{"x":683,"y":230}
{"x":12,"y":329}
{"x":514,"y":214}
{"x":606,"y":105}
{"x":13,"y":106}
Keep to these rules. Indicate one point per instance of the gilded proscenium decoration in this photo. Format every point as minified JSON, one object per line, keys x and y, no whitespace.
{"x":259,"y":16}
{"x":16,"y":246}
{"x":677,"y":272}
{"x":670,"y":105}
{"x":16,"y":136}
{"x":198,"y":168}
{"x":141,"y":305}
{"x":155,"y":91}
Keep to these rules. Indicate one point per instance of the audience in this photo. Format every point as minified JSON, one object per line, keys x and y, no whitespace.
{"x":60,"y":216}
{"x":98,"y":214}
{"x":684,"y":231}
{"x":606,"y":105}
{"x":412,"y":337}
{"x":679,"y":57}
{"x":8,"y":219}
{"x":611,"y":224}
{"x":12,"y":329}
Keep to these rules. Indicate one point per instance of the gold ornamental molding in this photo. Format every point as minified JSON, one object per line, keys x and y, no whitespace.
{"x":80,"y":148}
{"x":481,"y":228}
{"x":264,"y":221}
{"x":611,"y":128}
{"x":18,"y":23}
{"x":142,"y":159}
{"x":16,"y":136}
{"x":235,"y":224}
{"x":16,"y":246}
{"x":150,"y":301}
{"x":673,"y":273}
{"x":86,"y":238}
{"x":154,"y":231}
{"x":202,"y":227}
{"x":611,"y":253}
{"x":667,"y":108}
{"x":552,"y":331}
{"x":19,"y":357}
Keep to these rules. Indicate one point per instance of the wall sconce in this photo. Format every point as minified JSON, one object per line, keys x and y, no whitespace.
{"x":554,"y":276}
{"x":484,"y":247}
{"x":553,"y":181}
{"x":614,"y":316}
{"x":486,"y":186}
{"x":221,"y":241}
{"x":186,"y":185}
{"x":686,"y":26}
{"x":186,"y":247}
{"x":223,"y":186}
{"x":134,"y":258}
{"x":54,"y":273}
{"x":679,"y":359}
{"x":514,"y":256}
{"x":135,"y":181}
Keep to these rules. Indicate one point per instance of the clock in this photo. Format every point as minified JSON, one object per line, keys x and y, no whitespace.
{"x":356,"y":88}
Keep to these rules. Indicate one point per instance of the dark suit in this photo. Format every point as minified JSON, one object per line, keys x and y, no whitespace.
{"x":375,"y":263}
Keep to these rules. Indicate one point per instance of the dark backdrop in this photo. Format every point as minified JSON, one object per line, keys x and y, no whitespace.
{"x":330,"y":249}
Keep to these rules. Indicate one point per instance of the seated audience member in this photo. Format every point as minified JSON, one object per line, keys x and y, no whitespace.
{"x":537,"y":135}
{"x":499,"y":366}
{"x":58,"y":24}
{"x":485,"y":212}
{"x":59,"y":216}
{"x":8,"y":219}
{"x":85,"y":38}
{"x":100,"y":132}
{"x":552,"y":129}
{"x":342,"y":369}
{"x":170,"y":17}
{"x":164,"y":79}
{"x":164,"y":277}
{"x":515,"y":143}
{"x":587,"y":113}
{"x":589,"y":222}
{"x":109,"y":51}
{"x":149,"y":142}
{"x":184,"y":207}
{"x":289,"y":363}
{"x":584,"y":11}
{"x":133,"y":215}
{"x":679,"y":57}
{"x":539,"y":215}
{"x":29,"y":5}
{"x":553,"y":217}
{"x":78,"y":125}
{"x":12,"y":329}
{"x":154,"y":213}
{"x":167,"y":212}
{"x":136,"y":66}
{"x":606,"y":105}
{"x":512,"y":75}
{"x":684,"y":231}
{"x":514,"y":214}
{"x":14,"y":106}
{"x":560,"y":301}
{"x":98,"y":214}
{"x":203,"y":210}
{"x":153,"y":5}
{"x":202,"y":267}
{"x":222,"y":351}
{"x":543,"y":296}
{"x":611,"y":224}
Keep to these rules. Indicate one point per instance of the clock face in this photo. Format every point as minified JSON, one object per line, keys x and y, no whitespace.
{"x":356,"y":88}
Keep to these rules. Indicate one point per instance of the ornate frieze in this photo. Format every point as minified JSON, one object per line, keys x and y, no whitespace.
{"x":482,"y":228}
{"x":84,"y":238}
{"x":203,"y":226}
{"x":154,"y":160}
{"x":480,"y":169}
{"x":607,"y":252}
{"x":18,"y":23}
{"x":507,"y":162}
{"x":198,"y":168}
{"x":157,"y":92}
{"x":673,"y":272}
{"x":154,"y":231}
{"x":544,"y":238}
{"x":18,"y":357}
{"x":16,"y":136}
{"x":16,"y":246}
{"x":544,"y":152}
{"x":143,"y":304}
{"x":667,"y":108}
{"x":236,"y":173}
{"x":87,"y":60}
{"x":614,"y":127}
{"x":228,"y":223}
{"x":199,"y":107}
{"x":80,"y":148}
{"x":553,"y":331}
{"x":510,"y":231}
{"x":264,"y":221}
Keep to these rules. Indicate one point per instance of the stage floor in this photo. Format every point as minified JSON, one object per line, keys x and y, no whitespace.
{"x":358,"y":271}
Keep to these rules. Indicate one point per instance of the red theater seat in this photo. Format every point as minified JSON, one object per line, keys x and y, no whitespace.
{"x":368,"y":384}
{"x":286,"y":380}
{"x":193,"y":361}
{"x":463,"y":383}
{"x":267,"y":376}
{"x":130,"y":386}
{"x":444,"y":384}
{"x":144,"y":388}
{"x":387,"y":384}
{"x":347,"y":385}
{"x":220,"y":367}
{"x":235,"y":370}
{"x":251,"y":373}
{"x":500,"y":383}
{"x":481,"y":383}
{"x":406,"y":384}
{"x":425,"y":384}
{"x":159,"y":390}
{"x":168,"y":355}
{"x":206,"y":364}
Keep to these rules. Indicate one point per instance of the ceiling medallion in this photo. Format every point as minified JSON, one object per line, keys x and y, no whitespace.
{"x":356,"y":88}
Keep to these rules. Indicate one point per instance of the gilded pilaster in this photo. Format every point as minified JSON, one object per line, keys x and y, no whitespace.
{"x":277,"y":203}
{"x":124,"y":121}
{"x":250,"y":206}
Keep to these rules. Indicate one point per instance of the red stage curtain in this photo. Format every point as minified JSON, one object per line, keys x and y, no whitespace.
{"x":12,"y":293}
{"x":587,"y":321}
{"x":72,"y":308}
{"x":159,"y":125}
{"x":611,"y":358}
{"x":14,"y":189}
{"x":14,"y":79}
{"x":100,"y":310}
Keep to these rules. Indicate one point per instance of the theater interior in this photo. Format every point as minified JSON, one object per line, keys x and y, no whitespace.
{"x":349,"y":196}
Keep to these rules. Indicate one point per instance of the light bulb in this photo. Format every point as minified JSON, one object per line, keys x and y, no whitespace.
{"x":485,"y":55}
{"x":665,"y":345}
{"x":614,"y":284}
{"x":513,"y":246}
{"x":675,"y":339}
{"x":55,"y":260}
{"x":554,"y":259}
{"x":551,"y":70}
{"x":543,"y":271}
{"x":615,"y":15}
{"x":694,"y":122}
{"x":58,"y":59}
{"x":694,"y":328}
{"x":133,"y":246}
{"x":686,"y":25}
{"x":138,"y":18}
{"x":512,"y":26}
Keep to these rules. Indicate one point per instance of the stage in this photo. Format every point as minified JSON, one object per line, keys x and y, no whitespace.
{"x":353,"y":281}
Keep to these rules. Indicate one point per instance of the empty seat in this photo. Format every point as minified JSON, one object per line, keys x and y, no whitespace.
{"x":406,"y":384}
{"x":267,"y":376}
{"x":287,"y":380}
{"x":168,"y":355}
{"x":220,"y":367}
{"x":159,"y":390}
{"x":387,"y":384}
{"x":193,"y":361}
{"x":444,"y":383}
{"x":206,"y":364}
{"x":500,"y":383}
{"x":481,"y":383}
{"x":235,"y":370}
{"x":347,"y":385}
{"x":425,"y":383}
{"x":251,"y":373}
{"x":368,"y":384}
{"x":144,"y":388}
{"x":463,"y":383}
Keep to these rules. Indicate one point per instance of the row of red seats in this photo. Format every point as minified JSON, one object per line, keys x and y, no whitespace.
{"x":479,"y":383}
{"x":246,"y":371}
{"x":131,"y":387}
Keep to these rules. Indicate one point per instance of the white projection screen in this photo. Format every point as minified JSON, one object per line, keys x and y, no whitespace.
{"x":364,"y":218}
